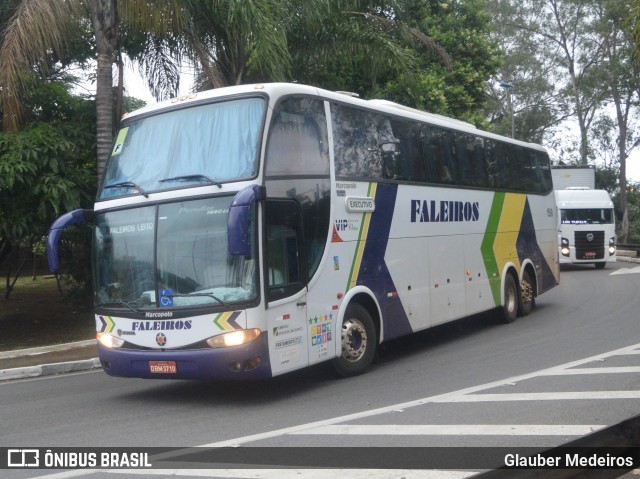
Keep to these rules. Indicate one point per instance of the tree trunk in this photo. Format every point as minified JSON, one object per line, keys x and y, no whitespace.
{"x":104,"y":16}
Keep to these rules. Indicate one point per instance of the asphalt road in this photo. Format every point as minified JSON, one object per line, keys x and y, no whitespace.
{"x":568,"y":369}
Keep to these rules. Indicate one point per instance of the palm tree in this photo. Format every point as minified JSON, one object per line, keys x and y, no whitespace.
{"x":230,"y":42}
{"x":104,"y":17}
{"x":41,"y":27}
{"x":267,"y":40}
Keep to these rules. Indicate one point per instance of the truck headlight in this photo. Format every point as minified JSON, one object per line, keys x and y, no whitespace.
{"x":564,"y":247}
{"x":612,"y":245}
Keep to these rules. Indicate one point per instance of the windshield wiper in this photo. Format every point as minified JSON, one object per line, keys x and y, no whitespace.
{"x":210,"y":295}
{"x":120,"y":303}
{"x":129,"y":184}
{"x":194,"y":177}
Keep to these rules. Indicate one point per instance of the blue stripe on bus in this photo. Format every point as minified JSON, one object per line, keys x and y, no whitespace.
{"x":373,"y":272}
{"x":528,"y":247}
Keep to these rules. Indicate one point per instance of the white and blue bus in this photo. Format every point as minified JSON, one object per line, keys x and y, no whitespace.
{"x":249,"y":231}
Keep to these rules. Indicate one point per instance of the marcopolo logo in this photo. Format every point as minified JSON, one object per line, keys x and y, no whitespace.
{"x":425,"y":211}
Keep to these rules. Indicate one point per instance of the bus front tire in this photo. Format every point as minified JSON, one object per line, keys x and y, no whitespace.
{"x":510,"y":305}
{"x":358,"y":342}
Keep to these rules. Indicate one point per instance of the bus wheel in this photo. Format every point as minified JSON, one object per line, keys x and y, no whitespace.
{"x":527,"y":300}
{"x":510,"y":306}
{"x":358,"y":342}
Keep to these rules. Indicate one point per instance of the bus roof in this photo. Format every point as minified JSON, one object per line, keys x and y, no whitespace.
{"x":275,"y":90}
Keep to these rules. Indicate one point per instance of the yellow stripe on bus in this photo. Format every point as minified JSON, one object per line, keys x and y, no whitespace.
{"x":362,"y":239}
{"x":504,"y":246}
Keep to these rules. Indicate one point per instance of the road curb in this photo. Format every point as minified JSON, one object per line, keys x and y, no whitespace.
{"x":45,"y":349}
{"x":49,"y":369}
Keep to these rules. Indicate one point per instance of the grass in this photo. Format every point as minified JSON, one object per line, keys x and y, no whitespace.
{"x":36,"y":315}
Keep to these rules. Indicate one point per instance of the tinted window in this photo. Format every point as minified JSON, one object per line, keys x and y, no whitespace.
{"x":437,"y":147}
{"x":403,"y":160}
{"x":298,"y":143}
{"x":497,"y":164}
{"x":472,"y":160}
{"x":284,"y":269}
{"x":542,"y":172}
{"x":297,"y":172}
{"x":362,"y":140}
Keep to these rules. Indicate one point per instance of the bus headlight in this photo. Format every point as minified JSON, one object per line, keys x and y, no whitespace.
{"x":109,"y":341}
{"x":233,"y":338}
{"x":564,"y":247}
{"x":612,"y":245}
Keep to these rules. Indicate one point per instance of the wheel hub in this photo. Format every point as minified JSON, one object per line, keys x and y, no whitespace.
{"x":354,"y":340}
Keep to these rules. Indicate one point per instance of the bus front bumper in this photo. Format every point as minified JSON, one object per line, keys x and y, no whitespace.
{"x":245,"y":362}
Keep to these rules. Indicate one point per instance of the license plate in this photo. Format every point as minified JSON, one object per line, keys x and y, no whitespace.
{"x":590,"y":254}
{"x":163,"y":367}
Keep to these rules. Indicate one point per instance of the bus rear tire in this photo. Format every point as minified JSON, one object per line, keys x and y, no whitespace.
{"x":358,"y":342}
{"x":527,"y":298}
{"x":511,"y":295}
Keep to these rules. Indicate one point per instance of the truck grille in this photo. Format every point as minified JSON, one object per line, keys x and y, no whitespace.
{"x":589,"y":244}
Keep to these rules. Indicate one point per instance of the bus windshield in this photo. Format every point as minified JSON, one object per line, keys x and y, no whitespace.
{"x":189,"y":265}
{"x":205,"y":144}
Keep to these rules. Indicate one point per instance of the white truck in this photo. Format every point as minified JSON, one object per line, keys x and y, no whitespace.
{"x":586,"y":230}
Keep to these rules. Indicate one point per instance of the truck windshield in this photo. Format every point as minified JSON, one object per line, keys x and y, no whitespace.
{"x":586,"y":216}
{"x":206,"y":144}
{"x":170,"y":255}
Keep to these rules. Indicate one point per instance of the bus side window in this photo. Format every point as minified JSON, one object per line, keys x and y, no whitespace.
{"x":406,"y":163}
{"x":362,"y":140}
{"x":298,"y":143}
{"x":285,"y":275}
{"x":542,"y":173}
{"x":472,"y":161}
{"x":440,"y":159}
{"x":497,"y":164}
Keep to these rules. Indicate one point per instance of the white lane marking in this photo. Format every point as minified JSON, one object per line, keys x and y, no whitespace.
{"x":626,"y":271}
{"x":306,"y":473}
{"x":551,"y":396}
{"x":457,"y":430}
{"x":610,"y":370}
{"x":456,"y":396}
{"x":446,"y":397}
{"x":631,"y":351}
{"x":68,"y":474}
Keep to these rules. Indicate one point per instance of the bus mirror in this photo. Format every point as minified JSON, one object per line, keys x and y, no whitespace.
{"x":238,"y":221}
{"x":71,"y":218}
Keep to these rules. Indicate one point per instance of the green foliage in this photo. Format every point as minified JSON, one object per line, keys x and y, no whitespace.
{"x":608,"y":179}
{"x":462,"y":29}
{"x":46,"y":168}
{"x":633,"y":201}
